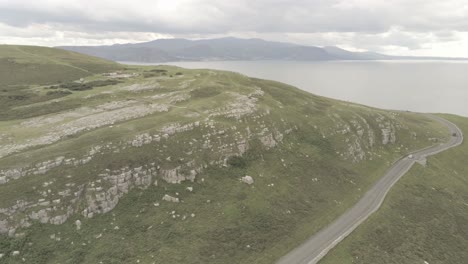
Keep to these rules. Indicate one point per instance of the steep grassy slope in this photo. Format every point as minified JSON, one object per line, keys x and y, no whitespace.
{"x":24,"y":65}
{"x":423,"y":220}
{"x":149,"y":168}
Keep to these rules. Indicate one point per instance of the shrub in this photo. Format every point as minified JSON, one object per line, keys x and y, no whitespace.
{"x":237,"y":161}
{"x":149,"y":75}
{"x":158,"y":70}
{"x":100,"y":83}
{"x":58,"y":93}
{"x":74,"y":86}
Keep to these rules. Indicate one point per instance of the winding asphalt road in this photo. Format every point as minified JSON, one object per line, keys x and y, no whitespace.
{"x":314,"y":249}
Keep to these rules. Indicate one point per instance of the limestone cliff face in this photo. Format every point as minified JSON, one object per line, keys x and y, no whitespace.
{"x":103,"y":192}
{"x":363,"y":136}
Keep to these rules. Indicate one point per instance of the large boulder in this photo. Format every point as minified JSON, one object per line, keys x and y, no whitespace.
{"x":170,"y":199}
{"x":247,"y":179}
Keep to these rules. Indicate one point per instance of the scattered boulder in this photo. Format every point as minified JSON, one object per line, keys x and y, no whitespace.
{"x":58,"y":220}
{"x":170,"y":199}
{"x":78,"y":224}
{"x":3,"y":227}
{"x":247,"y":179}
{"x":15,"y":253}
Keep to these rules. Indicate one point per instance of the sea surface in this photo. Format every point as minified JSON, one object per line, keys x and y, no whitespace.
{"x":422,"y":86}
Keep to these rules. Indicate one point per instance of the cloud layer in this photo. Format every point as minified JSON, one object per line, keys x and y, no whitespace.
{"x":421,"y":27}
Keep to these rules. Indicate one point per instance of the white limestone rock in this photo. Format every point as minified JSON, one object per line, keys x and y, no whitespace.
{"x":385,"y":136}
{"x":59,"y":219}
{"x":170,"y":198}
{"x":78,"y":224}
{"x":247,"y":179}
{"x":174,"y":175}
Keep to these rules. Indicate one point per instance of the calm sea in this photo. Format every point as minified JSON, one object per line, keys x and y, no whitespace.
{"x":423,"y":86}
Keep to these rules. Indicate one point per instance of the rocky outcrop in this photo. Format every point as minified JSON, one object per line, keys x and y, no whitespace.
{"x":45,"y":166}
{"x":176,"y":176}
{"x":85,"y":123}
{"x":137,"y":87}
{"x":100,"y":199}
{"x":240,"y":106}
{"x":388,"y":136}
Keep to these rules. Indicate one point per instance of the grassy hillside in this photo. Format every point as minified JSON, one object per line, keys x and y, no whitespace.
{"x":146,"y":165}
{"x":25,"y":65}
{"x":423,"y":220}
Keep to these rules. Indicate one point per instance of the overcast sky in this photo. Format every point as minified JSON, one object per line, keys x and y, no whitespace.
{"x":401,"y":27}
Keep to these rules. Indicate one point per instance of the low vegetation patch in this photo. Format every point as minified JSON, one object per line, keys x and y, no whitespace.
{"x":155,"y":73}
{"x":13,"y":98}
{"x":79,"y":86}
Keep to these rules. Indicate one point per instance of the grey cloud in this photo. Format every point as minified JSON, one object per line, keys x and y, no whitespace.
{"x":366,"y":24}
{"x":210,"y":16}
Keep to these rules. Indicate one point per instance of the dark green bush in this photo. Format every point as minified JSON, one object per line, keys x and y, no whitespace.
{"x":237,"y":161}
{"x":158,"y":70}
{"x":58,"y":93}
{"x":74,"y":86}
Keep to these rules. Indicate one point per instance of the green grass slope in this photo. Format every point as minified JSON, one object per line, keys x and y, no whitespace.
{"x":423,"y":220}
{"x":25,"y":65}
{"x":94,"y":176}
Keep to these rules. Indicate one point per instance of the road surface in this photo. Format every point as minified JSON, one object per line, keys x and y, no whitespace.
{"x":316,"y":247}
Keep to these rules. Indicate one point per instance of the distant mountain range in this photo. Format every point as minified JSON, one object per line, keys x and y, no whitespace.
{"x":166,"y":50}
